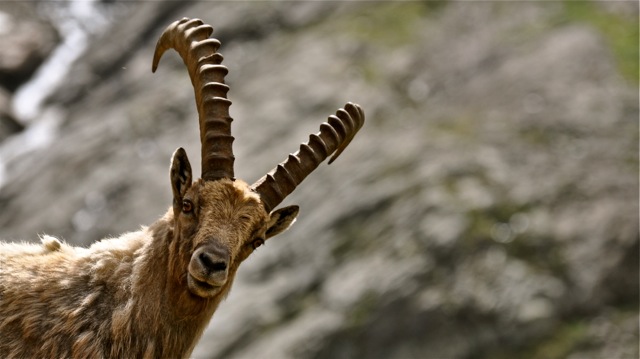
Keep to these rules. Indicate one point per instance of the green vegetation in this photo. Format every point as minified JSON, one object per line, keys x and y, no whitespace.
{"x":388,"y":24}
{"x":621,"y":32}
{"x":362,"y":310}
{"x":565,"y":340}
{"x":464,"y":125}
{"x":559,"y":344}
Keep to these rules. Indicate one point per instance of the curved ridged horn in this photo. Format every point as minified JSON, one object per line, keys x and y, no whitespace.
{"x":190,"y":38}
{"x":334,"y":136}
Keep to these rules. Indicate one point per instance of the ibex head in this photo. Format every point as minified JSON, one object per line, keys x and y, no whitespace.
{"x":218,"y":220}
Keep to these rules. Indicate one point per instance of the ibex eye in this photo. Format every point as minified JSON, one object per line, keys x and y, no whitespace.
{"x":187,"y":206}
{"x":257,"y":243}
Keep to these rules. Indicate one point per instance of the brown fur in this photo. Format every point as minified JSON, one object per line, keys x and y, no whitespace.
{"x":128,"y":296}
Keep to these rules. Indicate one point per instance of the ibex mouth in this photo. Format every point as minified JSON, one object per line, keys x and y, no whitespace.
{"x":202,"y":288}
{"x":205,"y":285}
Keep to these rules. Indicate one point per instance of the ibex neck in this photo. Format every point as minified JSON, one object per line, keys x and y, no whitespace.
{"x":178,"y":316}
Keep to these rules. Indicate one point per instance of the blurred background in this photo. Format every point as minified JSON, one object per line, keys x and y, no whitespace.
{"x":488,"y":208}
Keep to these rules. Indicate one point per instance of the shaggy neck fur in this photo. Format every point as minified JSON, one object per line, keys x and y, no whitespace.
{"x":123,"y":304}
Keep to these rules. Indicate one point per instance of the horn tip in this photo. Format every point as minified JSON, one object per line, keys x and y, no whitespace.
{"x":161,"y":45}
{"x":157,"y":54}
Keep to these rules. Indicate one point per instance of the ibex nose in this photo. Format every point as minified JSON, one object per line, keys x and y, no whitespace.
{"x":212,"y":262}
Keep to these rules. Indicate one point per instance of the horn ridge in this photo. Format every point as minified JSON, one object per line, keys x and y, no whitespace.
{"x":334,"y":136}
{"x":318,"y":146}
{"x":331,"y":136}
{"x":199,"y":32}
{"x":338,"y":127}
{"x":191,"y":39}
{"x":284,"y":179}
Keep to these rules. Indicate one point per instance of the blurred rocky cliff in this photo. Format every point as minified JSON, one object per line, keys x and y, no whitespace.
{"x":488,"y":208}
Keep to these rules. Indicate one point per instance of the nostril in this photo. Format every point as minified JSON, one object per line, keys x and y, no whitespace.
{"x":219,"y":266}
{"x":211,"y":264}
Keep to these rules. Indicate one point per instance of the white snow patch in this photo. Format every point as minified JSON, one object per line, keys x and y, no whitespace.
{"x":38,"y":135}
{"x":75,"y":22}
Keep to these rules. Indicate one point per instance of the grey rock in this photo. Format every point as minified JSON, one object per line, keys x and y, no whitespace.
{"x":27,"y":38}
{"x":9,"y":125}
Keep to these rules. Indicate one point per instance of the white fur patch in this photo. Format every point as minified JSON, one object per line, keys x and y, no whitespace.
{"x":50,"y":243}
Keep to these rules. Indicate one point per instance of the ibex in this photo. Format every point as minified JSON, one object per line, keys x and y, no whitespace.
{"x":150,"y":294}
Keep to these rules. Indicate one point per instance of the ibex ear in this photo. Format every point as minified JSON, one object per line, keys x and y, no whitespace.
{"x":281,"y":219}
{"x":180,"y":174}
